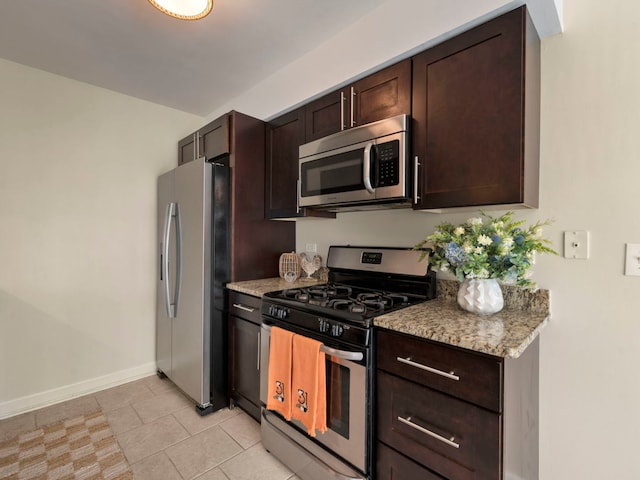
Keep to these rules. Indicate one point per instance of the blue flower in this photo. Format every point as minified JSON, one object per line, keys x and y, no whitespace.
{"x":496,"y":239}
{"x":519,"y":239}
{"x":454,"y":253}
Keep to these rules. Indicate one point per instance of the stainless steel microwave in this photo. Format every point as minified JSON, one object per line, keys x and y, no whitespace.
{"x":362,"y":168}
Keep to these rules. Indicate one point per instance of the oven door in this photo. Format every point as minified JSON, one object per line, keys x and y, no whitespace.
{"x":347,"y":402}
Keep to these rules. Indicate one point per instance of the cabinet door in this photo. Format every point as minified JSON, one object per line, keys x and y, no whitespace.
{"x":454,"y":438}
{"x":244,"y":339}
{"x":471,"y":376}
{"x":186,"y":149}
{"x":468,"y":102}
{"x":213,"y":141}
{"x":214,"y":138}
{"x":284,"y":135}
{"x":390,"y":465}
{"x":384,"y":94}
{"x":326,"y":115}
{"x":378,"y":96}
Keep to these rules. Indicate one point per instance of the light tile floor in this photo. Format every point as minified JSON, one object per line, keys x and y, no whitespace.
{"x":164,"y":438}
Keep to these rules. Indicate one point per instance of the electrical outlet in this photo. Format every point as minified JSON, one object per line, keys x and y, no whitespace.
{"x":576,"y":244}
{"x":311,"y":247}
{"x":632,"y":259}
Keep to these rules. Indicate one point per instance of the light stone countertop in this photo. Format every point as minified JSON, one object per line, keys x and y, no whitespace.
{"x":504,"y":334}
{"x":258,"y":288}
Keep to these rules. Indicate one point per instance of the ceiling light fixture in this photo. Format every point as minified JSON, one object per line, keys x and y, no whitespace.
{"x":184,"y":9}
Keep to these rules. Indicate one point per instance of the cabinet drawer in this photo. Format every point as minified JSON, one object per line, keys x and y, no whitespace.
{"x":390,"y":465}
{"x":245,"y":306}
{"x":454,"y":438}
{"x":470,"y":376}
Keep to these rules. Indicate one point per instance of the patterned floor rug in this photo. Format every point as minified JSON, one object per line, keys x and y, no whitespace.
{"x":82,"y":448}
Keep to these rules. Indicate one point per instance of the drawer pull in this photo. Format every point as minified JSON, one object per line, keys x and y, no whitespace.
{"x":408,"y":361}
{"x":242,"y":307}
{"x":449,"y":441}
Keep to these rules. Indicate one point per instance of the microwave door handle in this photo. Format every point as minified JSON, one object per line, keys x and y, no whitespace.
{"x":366,"y":168}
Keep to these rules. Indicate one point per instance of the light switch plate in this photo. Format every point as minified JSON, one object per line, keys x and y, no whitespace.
{"x":632,"y":259}
{"x":576,"y":244}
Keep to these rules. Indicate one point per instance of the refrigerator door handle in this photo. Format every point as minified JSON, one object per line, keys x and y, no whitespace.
{"x":172,"y":215}
{"x":164,"y":272}
{"x":176,"y":294}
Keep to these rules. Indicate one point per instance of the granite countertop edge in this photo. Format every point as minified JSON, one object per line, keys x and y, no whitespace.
{"x":258,"y":288}
{"x":505,"y":334}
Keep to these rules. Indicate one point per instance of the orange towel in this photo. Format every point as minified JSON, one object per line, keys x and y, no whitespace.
{"x":279,"y":388}
{"x":308,"y":381}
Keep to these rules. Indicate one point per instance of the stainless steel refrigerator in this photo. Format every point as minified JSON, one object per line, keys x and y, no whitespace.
{"x":193,"y":260}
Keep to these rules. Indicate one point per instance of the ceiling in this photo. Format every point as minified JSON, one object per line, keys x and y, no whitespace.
{"x":129,"y":47}
{"x":196,"y":66}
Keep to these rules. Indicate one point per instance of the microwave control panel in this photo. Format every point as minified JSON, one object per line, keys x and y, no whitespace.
{"x":388,"y":160}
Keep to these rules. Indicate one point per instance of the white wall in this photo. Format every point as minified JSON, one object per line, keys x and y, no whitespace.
{"x":78,"y":168}
{"x":590,"y":387}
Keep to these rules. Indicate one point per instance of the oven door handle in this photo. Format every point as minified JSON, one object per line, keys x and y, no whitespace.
{"x":342,"y":354}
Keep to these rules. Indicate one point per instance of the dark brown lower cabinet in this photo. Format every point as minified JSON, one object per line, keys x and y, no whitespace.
{"x":244,"y":353}
{"x":443,"y":412}
{"x":392,"y":465}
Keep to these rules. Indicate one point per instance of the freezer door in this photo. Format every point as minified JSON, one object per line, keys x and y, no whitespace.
{"x":191,"y":334}
{"x":166,"y":270}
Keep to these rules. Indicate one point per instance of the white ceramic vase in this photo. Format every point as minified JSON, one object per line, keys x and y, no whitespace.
{"x":482,"y":296}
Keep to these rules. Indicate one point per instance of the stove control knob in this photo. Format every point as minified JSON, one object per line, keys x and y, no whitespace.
{"x":337,"y":330}
{"x":278,"y":312}
{"x":324,"y":325}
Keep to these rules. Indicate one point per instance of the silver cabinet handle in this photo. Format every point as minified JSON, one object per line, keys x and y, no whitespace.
{"x":449,"y":441}
{"x":353,"y":101}
{"x":408,"y":361}
{"x":366,"y":168}
{"x":416,"y":169}
{"x":242,"y":307}
{"x":342,"y":100}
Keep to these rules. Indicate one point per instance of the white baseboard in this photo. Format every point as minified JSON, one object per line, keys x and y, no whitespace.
{"x":67,"y":392}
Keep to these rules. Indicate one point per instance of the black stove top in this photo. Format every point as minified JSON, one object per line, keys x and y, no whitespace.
{"x":349,"y":303}
{"x":364,"y":282}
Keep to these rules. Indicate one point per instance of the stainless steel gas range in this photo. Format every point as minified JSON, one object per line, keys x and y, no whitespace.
{"x":364,"y":282}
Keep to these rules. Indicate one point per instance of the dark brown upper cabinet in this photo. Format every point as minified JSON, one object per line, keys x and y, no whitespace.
{"x":476,"y":117}
{"x":378,"y":96}
{"x":256,"y":243}
{"x":210,"y":141}
{"x":284,"y":135}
